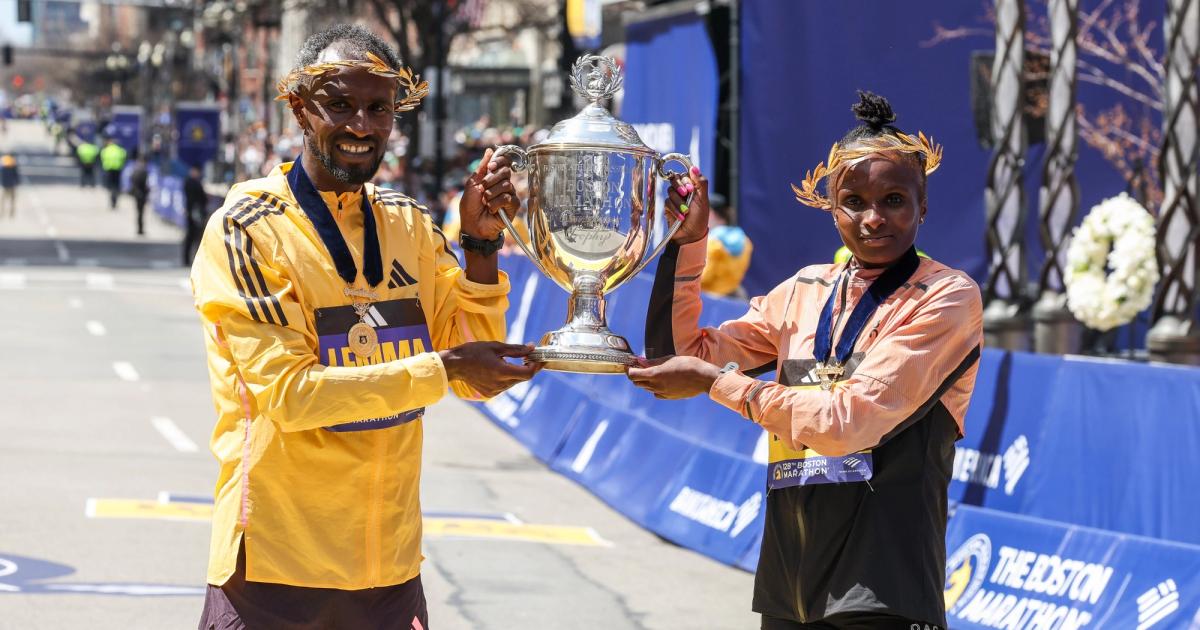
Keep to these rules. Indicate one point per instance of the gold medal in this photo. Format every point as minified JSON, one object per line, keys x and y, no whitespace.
{"x":363,"y":340}
{"x":828,"y":373}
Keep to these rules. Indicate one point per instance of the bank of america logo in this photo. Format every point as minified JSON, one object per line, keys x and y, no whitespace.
{"x":1016,"y":460}
{"x":1157,"y":604}
{"x":852,"y":462}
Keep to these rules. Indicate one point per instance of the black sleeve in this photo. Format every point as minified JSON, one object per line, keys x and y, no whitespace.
{"x":660,"y":335}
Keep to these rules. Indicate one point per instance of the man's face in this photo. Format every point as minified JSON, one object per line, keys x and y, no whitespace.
{"x":347,"y":118}
{"x":878,"y":204}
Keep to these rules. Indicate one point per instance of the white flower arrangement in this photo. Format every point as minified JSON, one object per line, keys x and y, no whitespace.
{"x":1111,"y":268}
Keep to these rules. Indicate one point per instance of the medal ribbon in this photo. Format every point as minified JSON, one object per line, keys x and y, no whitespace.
{"x":879,"y":291}
{"x":314,"y":207}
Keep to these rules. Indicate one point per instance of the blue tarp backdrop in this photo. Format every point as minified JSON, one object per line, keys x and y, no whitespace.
{"x":801,"y":65}
{"x":671,"y":86}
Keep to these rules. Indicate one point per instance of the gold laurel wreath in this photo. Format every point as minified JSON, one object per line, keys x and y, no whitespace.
{"x":806,"y":192}
{"x":414,"y":88}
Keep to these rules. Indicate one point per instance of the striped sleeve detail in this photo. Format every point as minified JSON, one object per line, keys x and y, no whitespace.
{"x":262,"y":306}
{"x":393,"y":199}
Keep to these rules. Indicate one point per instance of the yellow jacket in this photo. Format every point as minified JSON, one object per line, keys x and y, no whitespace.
{"x":320,"y":450}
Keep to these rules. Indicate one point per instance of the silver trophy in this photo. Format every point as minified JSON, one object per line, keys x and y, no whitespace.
{"x":591,"y":215}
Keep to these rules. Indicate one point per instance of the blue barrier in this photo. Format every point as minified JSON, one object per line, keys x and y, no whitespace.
{"x":1008,"y":571}
{"x":1048,"y":437}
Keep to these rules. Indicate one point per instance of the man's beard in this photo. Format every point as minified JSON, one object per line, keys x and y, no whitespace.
{"x":352,"y":176}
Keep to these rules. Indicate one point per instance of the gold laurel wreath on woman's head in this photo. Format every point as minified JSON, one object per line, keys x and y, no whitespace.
{"x":414,"y":88}
{"x":841,"y":157}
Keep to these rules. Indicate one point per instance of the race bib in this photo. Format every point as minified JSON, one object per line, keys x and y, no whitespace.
{"x":402,"y":332}
{"x":787,"y":467}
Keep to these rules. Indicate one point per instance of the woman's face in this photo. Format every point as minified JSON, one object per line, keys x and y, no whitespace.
{"x":878,"y":204}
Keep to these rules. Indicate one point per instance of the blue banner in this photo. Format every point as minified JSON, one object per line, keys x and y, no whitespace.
{"x":126,"y":128}
{"x":199,"y":128}
{"x":671,"y":87}
{"x":1006,"y":571}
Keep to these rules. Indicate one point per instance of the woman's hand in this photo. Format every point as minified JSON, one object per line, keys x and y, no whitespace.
{"x":694,"y":215}
{"x":675,"y":376}
{"x":487,"y":192}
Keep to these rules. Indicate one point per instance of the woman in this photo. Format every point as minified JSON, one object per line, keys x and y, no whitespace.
{"x":876,"y":360}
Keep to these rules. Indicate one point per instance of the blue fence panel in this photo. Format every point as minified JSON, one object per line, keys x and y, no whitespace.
{"x":1008,"y":571}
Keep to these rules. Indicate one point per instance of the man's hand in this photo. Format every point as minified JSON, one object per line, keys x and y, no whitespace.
{"x":487,"y":192}
{"x":695,"y":216}
{"x":481,"y":365}
{"x":675,"y":376}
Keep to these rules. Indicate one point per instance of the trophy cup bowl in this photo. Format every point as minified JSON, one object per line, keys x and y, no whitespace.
{"x":591,"y":214}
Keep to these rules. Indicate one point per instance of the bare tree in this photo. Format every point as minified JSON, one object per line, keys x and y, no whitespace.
{"x":1112,"y":37}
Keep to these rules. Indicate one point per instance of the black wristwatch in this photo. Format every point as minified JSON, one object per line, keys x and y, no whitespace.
{"x":480,"y":246}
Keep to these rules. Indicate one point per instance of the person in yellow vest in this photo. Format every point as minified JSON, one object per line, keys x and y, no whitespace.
{"x":334,"y":313}
{"x":729,"y":251}
{"x":112,"y":160}
{"x":87,"y":153}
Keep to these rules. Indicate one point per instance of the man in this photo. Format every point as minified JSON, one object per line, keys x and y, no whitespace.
{"x":195,"y":211}
{"x":139,"y":189}
{"x":334,"y":313}
{"x":87,"y":153}
{"x":10,"y":175}
{"x":112,"y":161}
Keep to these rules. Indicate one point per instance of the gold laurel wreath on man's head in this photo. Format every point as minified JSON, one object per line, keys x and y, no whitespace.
{"x":855,"y":152}
{"x":414,"y":88}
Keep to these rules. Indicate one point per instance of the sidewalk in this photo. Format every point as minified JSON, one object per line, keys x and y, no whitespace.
{"x":61,"y":223}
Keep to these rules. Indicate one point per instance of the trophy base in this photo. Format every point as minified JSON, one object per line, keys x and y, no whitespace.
{"x":583,"y":349}
{"x":582,"y":361}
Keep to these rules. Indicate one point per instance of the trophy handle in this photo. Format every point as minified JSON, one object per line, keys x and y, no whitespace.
{"x":664,"y":173}
{"x":520,"y":162}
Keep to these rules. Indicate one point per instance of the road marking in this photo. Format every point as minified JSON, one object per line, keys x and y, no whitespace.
{"x":95,"y":327}
{"x":485,"y":526}
{"x":98,"y":281}
{"x":524,"y":532}
{"x":125,"y":370}
{"x":12,"y":281}
{"x":185,"y":284}
{"x":174,"y":434}
{"x":51,"y":231}
{"x":74,"y":302}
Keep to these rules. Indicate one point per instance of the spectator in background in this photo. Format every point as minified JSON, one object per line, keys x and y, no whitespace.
{"x":195,"y":213}
{"x":112,"y":160}
{"x":729,"y":251}
{"x":87,"y":154}
{"x":10,"y":175}
{"x":139,"y":188}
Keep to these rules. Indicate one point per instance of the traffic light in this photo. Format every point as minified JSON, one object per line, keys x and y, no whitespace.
{"x":7,"y":55}
{"x":24,"y":10}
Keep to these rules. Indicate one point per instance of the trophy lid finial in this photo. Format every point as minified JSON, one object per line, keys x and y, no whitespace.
{"x":596,"y":78}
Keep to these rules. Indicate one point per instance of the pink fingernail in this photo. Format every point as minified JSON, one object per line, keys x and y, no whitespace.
{"x":696,"y":170}
{"x":681,"y":190}
{"x":691,"y":189}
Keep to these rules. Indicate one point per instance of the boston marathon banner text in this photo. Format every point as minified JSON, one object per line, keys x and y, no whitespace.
{"x":1013,"y":572}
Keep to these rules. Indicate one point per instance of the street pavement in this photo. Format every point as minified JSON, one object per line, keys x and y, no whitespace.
{"x":105,"y":476}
